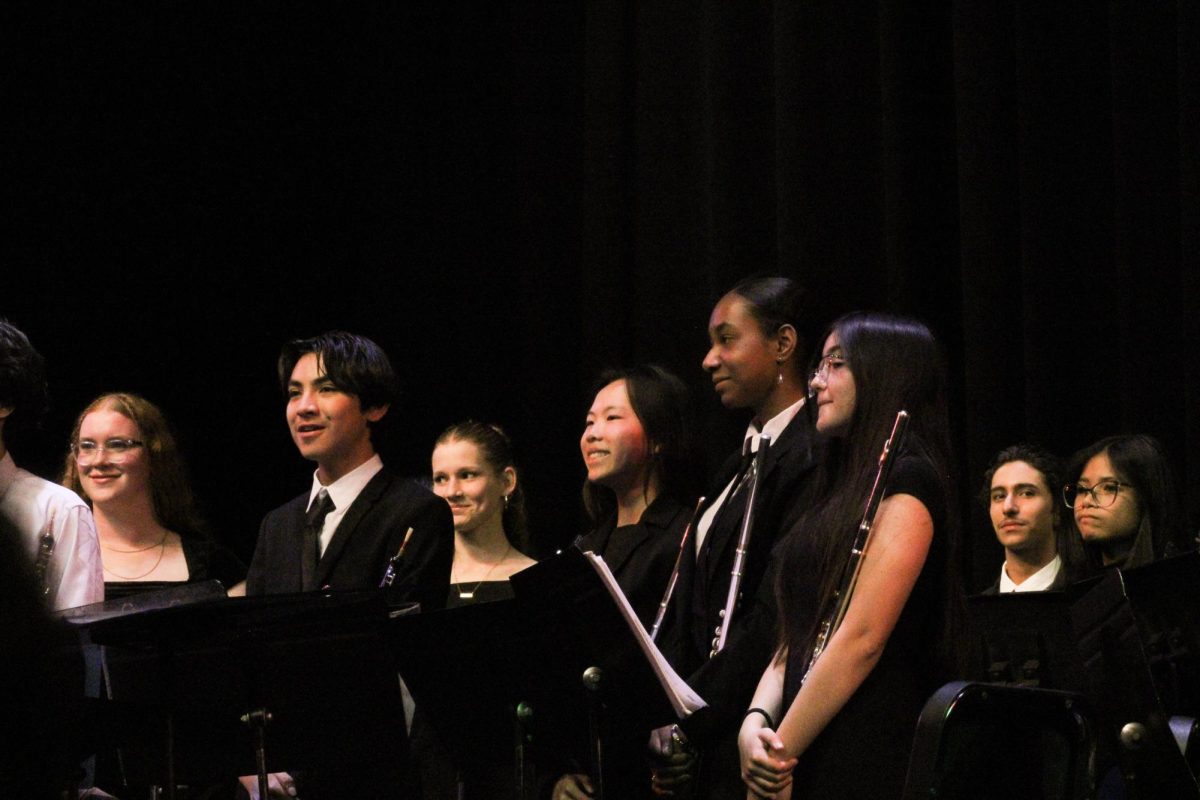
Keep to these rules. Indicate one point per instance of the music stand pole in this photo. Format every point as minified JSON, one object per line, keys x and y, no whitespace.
{"x":593,"y":678}
{"x":257,"y":722}
{"x":521,"y":718}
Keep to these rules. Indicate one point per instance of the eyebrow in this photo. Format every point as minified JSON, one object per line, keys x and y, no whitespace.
{"x":833,"y":351}
{"x":605,"y":409}
{"x":1101,"y":479}
{"x":1001,"y":487}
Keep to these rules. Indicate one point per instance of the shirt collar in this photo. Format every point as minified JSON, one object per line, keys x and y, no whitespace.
{"x":1039,"y":581}
{"x":774,"y":426}
{"x":345,"y":489}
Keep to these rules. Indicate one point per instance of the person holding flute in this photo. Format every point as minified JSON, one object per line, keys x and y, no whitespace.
{"x":636,"y":448}
{"x":811,"y":720}
{"x":756,"y":360}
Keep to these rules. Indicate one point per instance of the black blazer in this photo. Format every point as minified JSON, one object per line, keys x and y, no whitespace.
{"x":642,"y":563}
{"x":727,"y":681}
{"x":369,"y":534}
{"x":782,"y":498}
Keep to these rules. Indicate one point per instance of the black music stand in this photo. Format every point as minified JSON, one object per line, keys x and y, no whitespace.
{"x":464,"y":667}
{"x":1120,"y":681}
{"x":483,"y":662}
{"x":314,"y":669}
{"x":1026,"y":639}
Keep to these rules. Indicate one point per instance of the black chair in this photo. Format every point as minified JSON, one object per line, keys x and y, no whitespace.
{"x":978,"y":741}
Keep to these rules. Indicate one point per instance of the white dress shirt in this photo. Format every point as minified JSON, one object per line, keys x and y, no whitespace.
{"x":343,"y":492}
{"x":1039,"y":581}
{"x":74,"y":574}
{"x":773,"y":428}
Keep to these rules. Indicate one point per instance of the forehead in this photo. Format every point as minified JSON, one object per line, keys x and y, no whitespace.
{"x":1098,"y":466}
{"x":456,"y":453}
{"x":1018,"y":472}
{"x":832,"y":342}
{"x":309,"y":368}
{"x":105,"y":422}
{"x":731,"y":310}
{"x":614,"y":394}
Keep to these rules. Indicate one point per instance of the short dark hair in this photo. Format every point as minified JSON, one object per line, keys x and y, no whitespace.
{"x":1045,"y":462}
{"x":22,"y":380}
{"x":1050,"y":467}
{"x":1141,"y":461}
{"x":660,"y":401}
{"x":354,"y":363}
{"x":496,"y":448}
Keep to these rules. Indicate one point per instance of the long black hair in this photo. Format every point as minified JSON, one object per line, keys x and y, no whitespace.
{"x":1141,"y":461}
{"x":660,"y":401}
{"x":897,"y":364}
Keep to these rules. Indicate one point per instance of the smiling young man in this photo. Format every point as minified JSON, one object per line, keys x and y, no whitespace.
{"x":54,"y":524}
{"x":342,"y":532}
{"x":1026,"y":519}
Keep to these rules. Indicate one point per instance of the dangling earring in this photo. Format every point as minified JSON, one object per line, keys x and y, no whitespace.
{"x":779,"y":380}
{"x":505,"y":502}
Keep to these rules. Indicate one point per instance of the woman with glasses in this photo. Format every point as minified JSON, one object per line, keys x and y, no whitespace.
{"x":124,"y":462}
{"x":1123,"y":497}
{"x":808,"y":728}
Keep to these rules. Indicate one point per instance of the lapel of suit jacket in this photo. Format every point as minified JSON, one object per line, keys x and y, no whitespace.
{"x":655,"y":519}
{"x":361,"y":506}
{"x":728,"y":532}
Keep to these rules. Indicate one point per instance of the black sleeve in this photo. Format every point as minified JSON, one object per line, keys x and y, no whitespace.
{"x":256,"y":575}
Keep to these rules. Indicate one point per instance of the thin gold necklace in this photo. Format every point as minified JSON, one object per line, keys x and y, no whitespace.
{"x":161,"y":553}
{"x":471,"y":594}
{"x":159,"y":543}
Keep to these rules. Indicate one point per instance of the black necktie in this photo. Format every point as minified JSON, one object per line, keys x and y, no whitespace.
{"x":314,"y":521}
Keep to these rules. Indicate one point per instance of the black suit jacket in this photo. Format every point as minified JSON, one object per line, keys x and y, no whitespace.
{"x":369,"y":534}
{"x":642,"y":563}
{"x":727,"y":681}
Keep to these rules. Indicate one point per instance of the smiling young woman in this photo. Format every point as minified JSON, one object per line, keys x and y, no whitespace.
{"x":124,"y":462}
{"x":475,"y":473}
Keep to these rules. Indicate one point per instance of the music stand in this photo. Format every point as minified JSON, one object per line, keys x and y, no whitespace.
{"x":1026,"y":639}
{"x":200,"y":669}
{"x":472,"y":667}
{"x":1120,"y":681}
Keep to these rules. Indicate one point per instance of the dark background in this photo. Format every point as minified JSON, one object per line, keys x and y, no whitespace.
{"x":509,"y":196}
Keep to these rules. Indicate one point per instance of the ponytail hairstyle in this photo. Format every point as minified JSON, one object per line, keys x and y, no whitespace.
{"x":496,"y":449}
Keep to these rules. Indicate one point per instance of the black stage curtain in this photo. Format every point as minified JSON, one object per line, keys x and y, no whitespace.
{"x":509,"y":196}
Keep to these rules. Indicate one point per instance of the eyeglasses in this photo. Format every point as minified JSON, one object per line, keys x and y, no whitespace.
{"x":824,"y":366}
{"x":1104,"y":493}
{"x":87,"y":451}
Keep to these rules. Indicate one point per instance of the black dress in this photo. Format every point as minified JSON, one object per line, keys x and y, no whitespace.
{"x":864,"y":750}
{"x":206,"y":560}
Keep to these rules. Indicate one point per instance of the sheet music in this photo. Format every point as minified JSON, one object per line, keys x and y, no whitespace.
{"x":683,"y":698}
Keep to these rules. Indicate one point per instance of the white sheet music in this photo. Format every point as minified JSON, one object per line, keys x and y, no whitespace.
{"x":683,"y":698}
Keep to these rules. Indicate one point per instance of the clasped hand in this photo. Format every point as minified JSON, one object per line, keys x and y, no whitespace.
{"x":766,"y":773}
